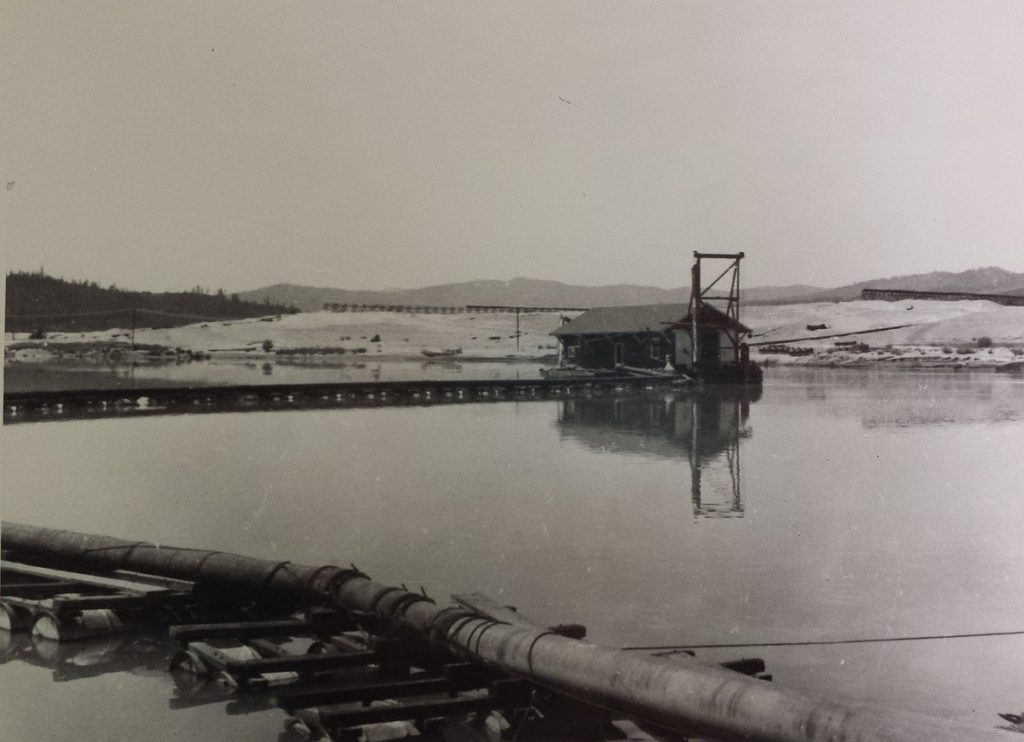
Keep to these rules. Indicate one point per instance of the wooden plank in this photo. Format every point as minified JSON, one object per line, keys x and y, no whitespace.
{"x":34,"y":604}
{"x":347,"y":643}
{"x":63,"y":605}
{"x":243,"y":629}
{"x":38,"y":590}
{"x":170,"y":583}
{"x":126,"y":586}
{"x":463,"y":670}
{"x":340,"y":717}
{"x":491,"y":609}
{"x":337,"y":694}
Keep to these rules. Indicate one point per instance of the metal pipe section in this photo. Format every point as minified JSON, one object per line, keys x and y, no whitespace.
{"x":678,"y":693}
{"x":280,"y":580}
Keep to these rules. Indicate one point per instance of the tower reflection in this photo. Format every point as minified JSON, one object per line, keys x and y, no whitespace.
{"x":703,"y":427}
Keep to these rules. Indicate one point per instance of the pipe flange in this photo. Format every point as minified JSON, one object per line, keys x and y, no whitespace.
{"x":442,"y":623}
{"x":405,"y":602}
{"x":375,"y":601}
{"x":529,"y":652}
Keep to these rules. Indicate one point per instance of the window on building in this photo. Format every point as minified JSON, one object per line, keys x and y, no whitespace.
{"x":656,"y":348}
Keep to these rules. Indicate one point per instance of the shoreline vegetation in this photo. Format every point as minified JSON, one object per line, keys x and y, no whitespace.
{"x":931,"y":334}
{"x":36,"y":303}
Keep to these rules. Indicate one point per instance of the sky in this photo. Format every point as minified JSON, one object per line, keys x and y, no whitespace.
{"x":164,"y":145}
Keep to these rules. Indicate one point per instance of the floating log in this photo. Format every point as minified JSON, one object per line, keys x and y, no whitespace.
{"x":336,"y":717}
{"x":14,"y":617}
{"x":678,"y":693}
{"x":81,"y":625}
{"x":302,"y":663}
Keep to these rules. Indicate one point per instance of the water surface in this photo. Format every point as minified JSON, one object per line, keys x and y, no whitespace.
{"x":98,"y":373}
{"x":834,"y":505}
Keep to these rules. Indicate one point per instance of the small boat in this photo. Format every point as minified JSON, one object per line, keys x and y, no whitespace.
{"x":444,"y":353}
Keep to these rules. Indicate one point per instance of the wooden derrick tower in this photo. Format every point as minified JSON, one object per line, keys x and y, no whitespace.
{"x":728,"y":303}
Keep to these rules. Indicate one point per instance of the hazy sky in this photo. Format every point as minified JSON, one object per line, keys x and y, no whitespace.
{"x":161,"y":145}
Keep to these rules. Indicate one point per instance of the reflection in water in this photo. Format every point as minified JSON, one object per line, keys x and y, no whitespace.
{"x":86,"y":658}
{"x":83,"y":374}
{"x":139,"y":656}
{"x":893,"y":399}
{"x":702,"y":427}
{"x":448,"y":364}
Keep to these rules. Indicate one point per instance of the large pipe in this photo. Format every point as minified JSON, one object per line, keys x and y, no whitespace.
{"x":680,"y":693}
{"x":281,"y":580}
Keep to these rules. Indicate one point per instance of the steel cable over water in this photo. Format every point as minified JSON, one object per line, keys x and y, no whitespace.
{"x":826,"y":642}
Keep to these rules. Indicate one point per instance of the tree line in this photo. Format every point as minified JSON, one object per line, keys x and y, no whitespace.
{"x":37,"y":302}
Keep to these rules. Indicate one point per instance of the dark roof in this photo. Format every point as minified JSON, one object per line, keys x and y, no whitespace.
{"x":643,"y":318}
{"x":711,"y":317}
{"x":611,"y":320}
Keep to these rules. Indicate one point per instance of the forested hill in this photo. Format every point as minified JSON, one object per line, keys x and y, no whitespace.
{"x":36,"y":301}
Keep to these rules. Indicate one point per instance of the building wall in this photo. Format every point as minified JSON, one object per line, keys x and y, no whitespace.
{"x":728,"y":352}
{"x":684,"y":349}
{"x":591,"y":351}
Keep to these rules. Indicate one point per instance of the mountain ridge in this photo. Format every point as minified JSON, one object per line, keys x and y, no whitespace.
{"x":521,"y":291}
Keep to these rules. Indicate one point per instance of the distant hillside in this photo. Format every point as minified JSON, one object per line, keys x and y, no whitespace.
{"x":36,"y":301}
{"x":779,"y":294}
{"x":517,"y":292}
{"x":975,"y":281}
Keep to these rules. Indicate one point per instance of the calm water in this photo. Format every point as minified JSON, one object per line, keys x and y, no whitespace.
{"x":837,"y":505}
{"x":95,"y":374}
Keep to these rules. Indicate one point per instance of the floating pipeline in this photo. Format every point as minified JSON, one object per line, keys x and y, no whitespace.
{"x":678,"y":693}
{"x":37,"y":406}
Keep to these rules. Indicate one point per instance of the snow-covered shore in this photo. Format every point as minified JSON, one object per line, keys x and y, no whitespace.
{"x":377,"y":335}
{"x":930,"y":333}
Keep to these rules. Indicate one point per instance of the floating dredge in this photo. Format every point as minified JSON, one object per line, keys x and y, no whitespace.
{"x":346,"y":657}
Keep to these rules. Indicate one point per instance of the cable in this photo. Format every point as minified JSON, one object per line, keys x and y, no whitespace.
{"x":833,"y":335}
{"x":827,"y":642}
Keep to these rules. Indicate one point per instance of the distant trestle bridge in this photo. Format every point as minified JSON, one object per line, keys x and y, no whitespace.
{"x":1010,"y":300}
{"x":37,"y":406}
{"x":445,"y":309}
